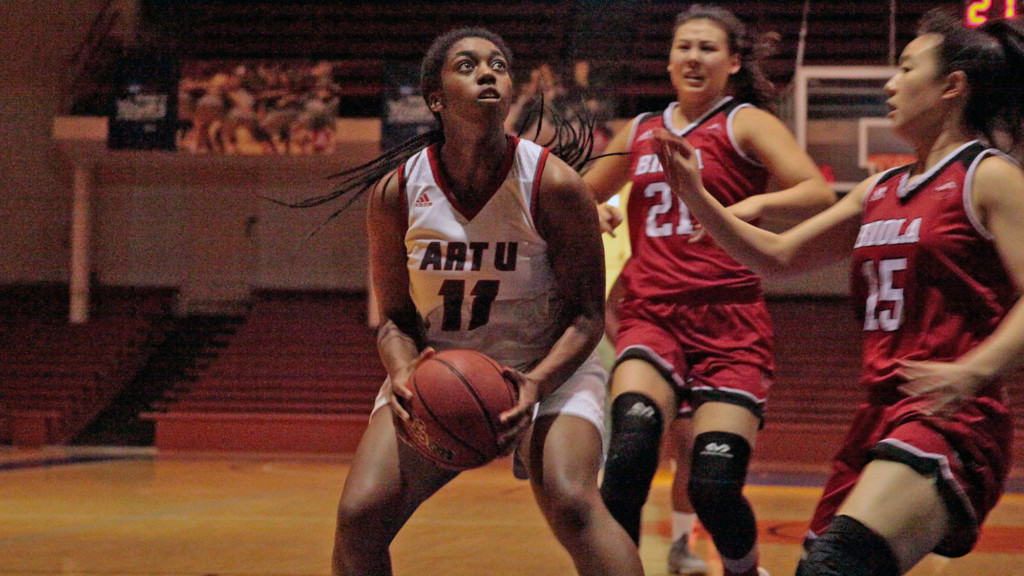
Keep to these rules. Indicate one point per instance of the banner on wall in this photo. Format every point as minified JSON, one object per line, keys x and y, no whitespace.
{"x":405,"y":113}
{"x":143,"y":109}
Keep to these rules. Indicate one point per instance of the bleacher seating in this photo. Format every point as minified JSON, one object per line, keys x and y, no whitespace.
{"x":55,"y":377}
{"x":300,"y":374}
{"x":627,"y":43}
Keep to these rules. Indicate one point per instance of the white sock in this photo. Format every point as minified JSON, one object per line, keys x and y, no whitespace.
{"x":682,"y":523}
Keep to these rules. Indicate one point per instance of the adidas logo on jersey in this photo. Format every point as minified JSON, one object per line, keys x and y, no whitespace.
{"x":716,"y":449}
{"x":422,"y":201}
{"x":947,"y":189}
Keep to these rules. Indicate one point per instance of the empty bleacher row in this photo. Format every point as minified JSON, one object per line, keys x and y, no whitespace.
{"x":817,"y":362}
{"x":818,"y":365}
{"x":55,"y":377}
{"x":307,"y":366}
{"x":298,"y":369}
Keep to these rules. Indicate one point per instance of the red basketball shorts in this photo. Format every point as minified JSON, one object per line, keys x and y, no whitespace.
{"x":968,"y":455}
{"x":711,"y":352}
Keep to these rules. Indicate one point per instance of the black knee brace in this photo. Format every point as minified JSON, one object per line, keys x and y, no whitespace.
{"x":849,"y":548}
{"x":632,"y":459}
{"x":717,"y":475}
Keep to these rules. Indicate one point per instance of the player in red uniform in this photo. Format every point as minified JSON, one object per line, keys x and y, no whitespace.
{"x":694,"y":336}
{"x":936,"y":273}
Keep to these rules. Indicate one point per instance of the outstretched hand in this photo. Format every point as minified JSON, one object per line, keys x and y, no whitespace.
{"x":680,"y":162}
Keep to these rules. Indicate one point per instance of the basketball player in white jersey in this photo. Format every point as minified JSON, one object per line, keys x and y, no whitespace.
{"x":481,"y":240}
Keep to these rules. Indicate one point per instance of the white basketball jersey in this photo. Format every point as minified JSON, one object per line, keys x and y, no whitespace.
{"x":482,"y":281}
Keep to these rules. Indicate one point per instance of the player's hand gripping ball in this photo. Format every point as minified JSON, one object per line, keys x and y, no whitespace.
{"x":457,"y":396}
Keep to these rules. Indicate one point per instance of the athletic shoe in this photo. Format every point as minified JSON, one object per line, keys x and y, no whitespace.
{"x":682,"y":561}
{"x":759,"y":572}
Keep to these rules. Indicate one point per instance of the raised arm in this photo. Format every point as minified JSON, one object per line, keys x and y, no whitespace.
{"x":606,"y":175}
{"x":825,"y":237}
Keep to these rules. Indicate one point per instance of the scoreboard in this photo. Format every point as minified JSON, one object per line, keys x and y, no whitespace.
{"x":978,"y":12}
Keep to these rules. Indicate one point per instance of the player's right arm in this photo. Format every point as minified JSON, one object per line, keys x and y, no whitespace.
{"x":400,"y":336}
{"x":824,"y":238}
{"x":607,"y":175}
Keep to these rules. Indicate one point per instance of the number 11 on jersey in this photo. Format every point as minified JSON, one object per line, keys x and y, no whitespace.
{"x":484,"y":293}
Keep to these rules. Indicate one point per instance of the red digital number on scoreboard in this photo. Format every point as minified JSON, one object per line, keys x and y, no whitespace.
{"x":980,"y":11}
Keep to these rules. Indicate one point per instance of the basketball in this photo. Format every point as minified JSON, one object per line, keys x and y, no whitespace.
{"x":457,"y":398}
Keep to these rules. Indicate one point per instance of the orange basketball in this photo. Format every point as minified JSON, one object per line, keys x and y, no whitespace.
{"x":457,"y":398}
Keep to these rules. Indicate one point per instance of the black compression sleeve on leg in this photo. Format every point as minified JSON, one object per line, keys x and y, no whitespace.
{"x":633,"y":453}
{"x":717,"y":475}
{"x":849,"y":548}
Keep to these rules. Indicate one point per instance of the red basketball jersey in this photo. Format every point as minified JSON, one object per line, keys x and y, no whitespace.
{"x":665,"y":264}
{"x":926,"y":278}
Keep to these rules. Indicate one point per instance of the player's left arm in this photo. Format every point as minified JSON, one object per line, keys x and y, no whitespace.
{"x":802,"y":190}
{"x":998,"y":197}
{"x":999,"y":201}
{"x":567,"y":219}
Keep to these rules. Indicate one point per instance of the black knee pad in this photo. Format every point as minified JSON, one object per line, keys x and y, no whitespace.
{"x":717,"y":475}
{"x":849,"y":548}
{"x":633,"y":453}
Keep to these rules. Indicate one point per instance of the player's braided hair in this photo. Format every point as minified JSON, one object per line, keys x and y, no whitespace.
{"x":750,"y":83}
{"x":573,"y":140}
{"x":573,"y":137}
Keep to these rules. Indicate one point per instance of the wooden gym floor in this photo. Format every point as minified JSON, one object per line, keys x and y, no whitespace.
{"x":133,"y":512}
